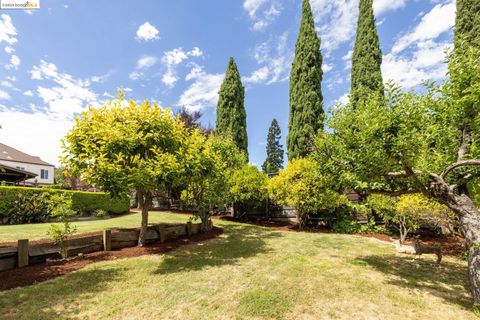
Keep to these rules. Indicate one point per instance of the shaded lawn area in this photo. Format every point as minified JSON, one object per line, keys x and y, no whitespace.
{"x":252,"y":272}
{"x":36,"y":231}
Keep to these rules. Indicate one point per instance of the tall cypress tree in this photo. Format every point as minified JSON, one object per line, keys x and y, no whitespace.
{"x":274,"y":161}
{"x":467,"y":24}
{"x":306,"y":100}
{"x":231,"y":115}
{"x":367,"y":56}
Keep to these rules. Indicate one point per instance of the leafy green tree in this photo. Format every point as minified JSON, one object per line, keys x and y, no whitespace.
{"x":302,"y":185}
{"x":231,"y":115}
{"x":412,"y":145}
{"x":274,"y":161}
{"x":408,"y":212}
{"x":209,"y":162}
{"x":306,"y":100}
{"x":367,"y":56}
{"x":126,"y":146}
{"x":247,"y":186}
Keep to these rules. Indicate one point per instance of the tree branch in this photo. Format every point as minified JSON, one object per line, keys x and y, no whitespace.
{"x":464,"y":163}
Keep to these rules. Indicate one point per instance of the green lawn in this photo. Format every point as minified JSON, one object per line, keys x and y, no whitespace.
{"x":39,"y":230}
{"x":253,"y":272}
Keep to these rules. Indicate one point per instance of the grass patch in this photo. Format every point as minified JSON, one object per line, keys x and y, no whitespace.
{"x":252,"y":272}
{"x":263,"y":303}
{"x":37,"y":231}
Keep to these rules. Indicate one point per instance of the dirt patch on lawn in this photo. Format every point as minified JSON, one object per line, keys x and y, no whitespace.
{"x":38,"y":273}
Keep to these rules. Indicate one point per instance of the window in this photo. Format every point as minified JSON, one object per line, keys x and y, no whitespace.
{"x":44,"y":174}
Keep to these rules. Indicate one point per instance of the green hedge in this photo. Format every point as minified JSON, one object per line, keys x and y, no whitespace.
{"x":85,"y":202}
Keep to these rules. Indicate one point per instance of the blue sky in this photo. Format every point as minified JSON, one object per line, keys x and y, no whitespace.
{"x":57,"y":60}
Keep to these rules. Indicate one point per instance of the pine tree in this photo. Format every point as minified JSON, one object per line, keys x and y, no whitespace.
{"x":467,"y":25}
{"x":367,"y":56}
{"x":231,"y":115}
{"x":306,"y":100}
{"x":274,"y":161}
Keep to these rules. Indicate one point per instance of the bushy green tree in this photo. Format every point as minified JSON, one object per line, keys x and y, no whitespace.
{"x":247,"y":186}
{"x":209,"y":162}
{"x":231,"y":115}
{"x":367,"y":57}
{"x":274,"y":161}
{"x":302,"y":186}
{"x":306,"y":99}
{"x":408,"y":212}
{"x":411,"y":144}
{"x":124,"y":146}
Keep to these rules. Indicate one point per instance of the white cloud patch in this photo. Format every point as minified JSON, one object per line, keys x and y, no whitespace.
{"x":262,"y":12}
{"x":28,"y":93}
{"x":203,"y":92}
{"x":143,"y":64}
{"x":147,"y":32}
{"x":14,"y":63}
{"x":7,"y":30}
{"x":439,"y":20}
{"x":4,"y":96}
{"x":417,"y":55}
{"x":68,"y":96}
{"x":337,"y":19}
{"x":275,"y":58}
{"x":258,"y":76}
{"x":171,"y":59}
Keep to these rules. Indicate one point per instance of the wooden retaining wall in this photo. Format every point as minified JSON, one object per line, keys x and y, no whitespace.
{"x":26,"y":254}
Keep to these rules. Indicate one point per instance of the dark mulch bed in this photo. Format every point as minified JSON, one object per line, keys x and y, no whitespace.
{"x":37,"y":273}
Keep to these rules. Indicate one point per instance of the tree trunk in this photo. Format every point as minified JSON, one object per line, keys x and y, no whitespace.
{"x":206,"y":221}
{"x":144,"y":200}
{"x":470,"y":222}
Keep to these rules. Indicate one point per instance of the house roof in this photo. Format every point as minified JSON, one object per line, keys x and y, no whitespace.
{"x":11,"y":154}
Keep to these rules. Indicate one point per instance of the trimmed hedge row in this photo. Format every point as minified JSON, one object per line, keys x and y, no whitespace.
{"x":84,"y":202}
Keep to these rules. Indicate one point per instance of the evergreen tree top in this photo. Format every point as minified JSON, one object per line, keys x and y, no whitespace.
{"x":367,"y":56}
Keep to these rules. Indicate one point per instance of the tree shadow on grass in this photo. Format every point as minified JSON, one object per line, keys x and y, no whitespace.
{"x":448,"y":281}
{"x":240,"y":242}
{"x":59,"y":298}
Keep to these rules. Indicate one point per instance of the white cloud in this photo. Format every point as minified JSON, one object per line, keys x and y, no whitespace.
{"x":39,"y":134}
{"x":7,"y":30}
{"x":68,"y":96}
{"x":9,"y":50}
{"x":326,"y":67}
{"x":276,"y":57}
{"x":258,"y":76}
{"x":6,"y":84}
{"x":262,"y":12}
{"x":381,"y":6}
{"x":128,"y":89}
{"x":143,"y":63}
{"x":14,"y":62}
{"x":439,"y":20}
{"x":418,"y":56}
{"x":426,"y":63}
{"x":28,"y":93}
{"x":4,"y":96}
{"x":147,"y":32}
{"x":171,"y":59}
{"x":337,"y":19}
{"x":345,"y":99}
{"x":203,"y":92}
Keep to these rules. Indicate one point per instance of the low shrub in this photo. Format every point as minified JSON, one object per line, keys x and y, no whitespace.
{"x":27,"y":205}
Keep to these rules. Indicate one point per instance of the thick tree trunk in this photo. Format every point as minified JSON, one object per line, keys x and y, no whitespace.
{"x":144,"y":200}
{"x":206,"y":221}
{"x":470,"y":223}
